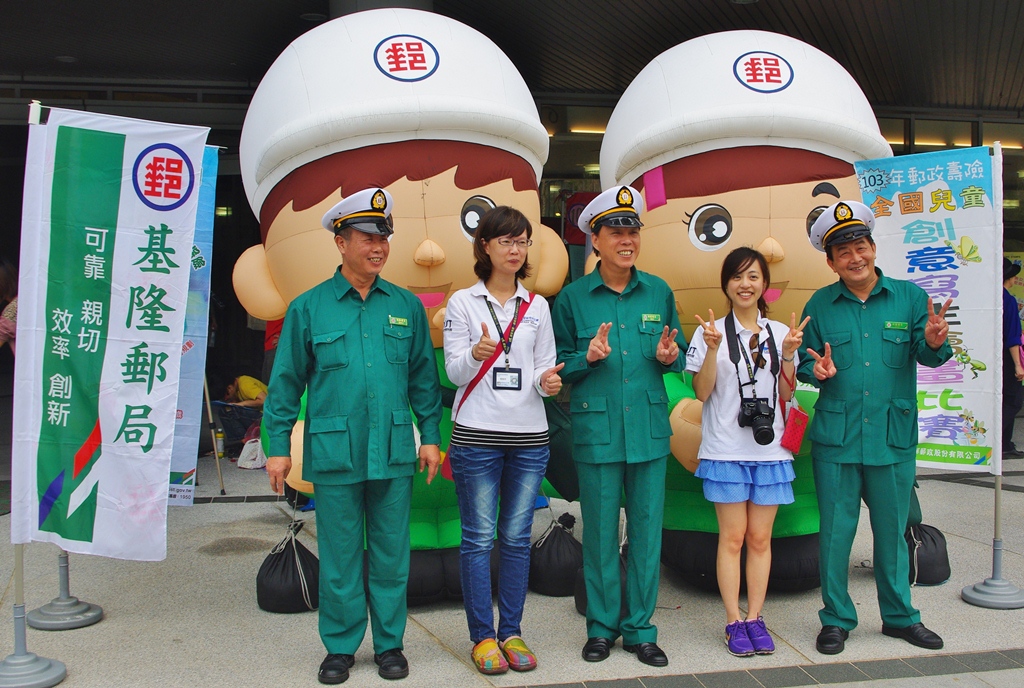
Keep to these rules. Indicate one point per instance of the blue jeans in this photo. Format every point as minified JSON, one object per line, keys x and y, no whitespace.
{"x":482,"y":475}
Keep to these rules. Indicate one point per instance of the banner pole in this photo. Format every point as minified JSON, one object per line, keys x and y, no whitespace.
{"x":995,"y":592}
{"x":23,"y":668}
{"x":65,"y":611}
{"x":213,"y":432}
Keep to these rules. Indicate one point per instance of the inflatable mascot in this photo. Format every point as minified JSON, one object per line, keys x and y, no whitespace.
{"x":738,"y":138}
{"x":437,"y":114}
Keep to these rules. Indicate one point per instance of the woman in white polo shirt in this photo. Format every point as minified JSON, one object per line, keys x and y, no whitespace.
{"x":500,"y":350}
{"x":746,"y":472}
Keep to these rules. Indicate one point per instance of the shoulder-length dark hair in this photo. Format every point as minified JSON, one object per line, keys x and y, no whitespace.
{"x":501,"y":221}
{"x":739,"y":260}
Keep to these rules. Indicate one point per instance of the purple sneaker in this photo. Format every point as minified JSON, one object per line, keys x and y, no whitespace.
{"x":759,"y":637}
{"x":736,"y":639}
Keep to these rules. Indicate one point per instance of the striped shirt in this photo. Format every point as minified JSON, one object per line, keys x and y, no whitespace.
{"x":463,"y":436}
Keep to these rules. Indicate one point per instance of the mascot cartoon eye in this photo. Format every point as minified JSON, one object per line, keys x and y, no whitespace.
{"x":710,"y":227}
{"x":812,"y":216}
{"x":472,"y":210}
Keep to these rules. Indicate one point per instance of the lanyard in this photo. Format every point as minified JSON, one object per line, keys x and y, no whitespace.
{"x":751,"y":371}
{"x":732,"y":337}
{"x":506,"y":342}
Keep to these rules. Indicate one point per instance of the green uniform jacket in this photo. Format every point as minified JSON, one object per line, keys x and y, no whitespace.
{"x":619,"y":405}
{"x":365,"y":363}
{"x":867,"y":412}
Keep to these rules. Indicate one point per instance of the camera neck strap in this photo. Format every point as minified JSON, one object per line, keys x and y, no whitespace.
{"x":736,"y":348}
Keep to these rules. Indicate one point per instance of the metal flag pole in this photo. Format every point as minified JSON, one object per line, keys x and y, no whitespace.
{"x":65,"y":611}
{"x":996,"y":592}
{"x":213,"y":433}
{"x":23,"y":668}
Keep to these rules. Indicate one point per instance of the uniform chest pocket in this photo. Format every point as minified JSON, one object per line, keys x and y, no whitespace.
{"x":397,"y":343}
{"x":895,"y":348}
{"x":583,"y":337}
{"x":650,"y":335}
{"x":842,"y":349}
{"x":329,"y":350}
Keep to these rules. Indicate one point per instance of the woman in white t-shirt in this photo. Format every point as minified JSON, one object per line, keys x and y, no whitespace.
{"x":746,"y":472}
{"x":499,"y":349}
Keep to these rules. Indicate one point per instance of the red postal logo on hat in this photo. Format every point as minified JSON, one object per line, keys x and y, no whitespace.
{"x":763,"y":72}
{"x":406,"y":58}
{"x":163,"y":176}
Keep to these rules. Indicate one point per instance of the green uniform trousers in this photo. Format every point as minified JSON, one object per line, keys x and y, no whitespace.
{"x":601,"y":487}
{"x":886,"y":491}
{"x":340,"y":511}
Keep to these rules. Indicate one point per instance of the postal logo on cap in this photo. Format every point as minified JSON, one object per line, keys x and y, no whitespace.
{"x":405,"y":57}
{"x":379,"y":202}
{"x":625,"y":197}
{"x":762,"y":71}
{"x":163,"y":177}
{"x":843,"y":212}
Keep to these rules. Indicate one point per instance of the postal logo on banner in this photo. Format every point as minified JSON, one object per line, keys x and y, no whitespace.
{"x":762,"y":71}
{"x":163,"y":177}
{"x":406,"y":58}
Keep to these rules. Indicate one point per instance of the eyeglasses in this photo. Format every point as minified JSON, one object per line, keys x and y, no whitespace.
{"x":521,"y":243}
{"x":755,"y":350}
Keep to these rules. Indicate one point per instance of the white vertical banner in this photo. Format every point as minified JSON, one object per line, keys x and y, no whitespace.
{"x":938,"y":223}
{"x":108,"y":222}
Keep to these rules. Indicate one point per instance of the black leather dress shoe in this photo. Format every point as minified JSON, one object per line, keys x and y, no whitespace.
{"x":392,"y":664}
{"x":334,"y":669}
{"x":916,"y":634}
{"x":831,"y":640}
{"x":648,"y":653}
{"x":597,"y":649}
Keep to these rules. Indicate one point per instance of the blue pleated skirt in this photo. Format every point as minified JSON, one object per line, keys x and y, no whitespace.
{"x":765,"y":483}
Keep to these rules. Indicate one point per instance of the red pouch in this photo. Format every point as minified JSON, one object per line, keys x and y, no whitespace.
{"x":796,"y":425}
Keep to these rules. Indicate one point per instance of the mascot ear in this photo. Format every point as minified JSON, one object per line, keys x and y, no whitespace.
{"x":550,"y":261}
{"x":254,"y":285}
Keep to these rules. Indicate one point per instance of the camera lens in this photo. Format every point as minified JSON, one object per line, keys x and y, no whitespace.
{"x":764,"y":433}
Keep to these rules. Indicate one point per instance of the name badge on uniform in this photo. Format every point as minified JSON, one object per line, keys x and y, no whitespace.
{"x":401,"y":322}
{"x":893,"y":325}
{"x":651,"y":317}
{"x":508,"y":378}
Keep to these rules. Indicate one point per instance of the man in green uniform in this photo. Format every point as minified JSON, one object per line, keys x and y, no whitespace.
{"x":617,"y":332}
{"x":866,"y":335}
{"x":362,"y":347}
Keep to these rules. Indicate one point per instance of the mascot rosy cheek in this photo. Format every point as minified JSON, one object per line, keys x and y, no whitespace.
{"x":738,"y":138}
{"x":420,"y":105}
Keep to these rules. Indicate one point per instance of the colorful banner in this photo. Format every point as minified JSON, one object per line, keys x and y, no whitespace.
{"x":939,"y":224}
{"x":190,"y":418}
{"x":108,"y":220}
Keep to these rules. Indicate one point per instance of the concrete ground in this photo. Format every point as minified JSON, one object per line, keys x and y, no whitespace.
{"x":193,"y":620}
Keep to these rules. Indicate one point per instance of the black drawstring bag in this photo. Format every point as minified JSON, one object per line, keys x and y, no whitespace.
{"x":288,"y":580}
{"x":929,"y":559}
{"x":555,"y":558}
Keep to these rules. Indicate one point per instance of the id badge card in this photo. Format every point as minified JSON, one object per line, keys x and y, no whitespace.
{"x":508,"y":378}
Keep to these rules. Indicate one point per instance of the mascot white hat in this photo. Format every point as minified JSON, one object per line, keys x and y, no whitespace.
{"x":393,"y":75}
{"x":752,"y":88}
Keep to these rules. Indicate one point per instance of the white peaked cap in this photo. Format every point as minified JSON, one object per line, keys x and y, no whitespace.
{"x":695,"y":98}
{"x":330,"y":91}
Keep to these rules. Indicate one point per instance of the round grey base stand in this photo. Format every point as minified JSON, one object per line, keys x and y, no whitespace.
{"x":65,"y":612}
{"x":25,"y":669}
{"x":994,"y":593}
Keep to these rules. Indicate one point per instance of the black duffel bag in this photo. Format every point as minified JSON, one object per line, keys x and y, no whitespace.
{"x":288,"y":580}
{"x":929,"y":560}
{"x":555,"y":558}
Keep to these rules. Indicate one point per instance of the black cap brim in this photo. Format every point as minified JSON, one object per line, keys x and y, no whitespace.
{"x":383,"y":227}
{"x":625,"y":219}
{"x":848,"y":234}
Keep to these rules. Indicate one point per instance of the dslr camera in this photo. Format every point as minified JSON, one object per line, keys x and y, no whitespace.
{"x":758,"y":415}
